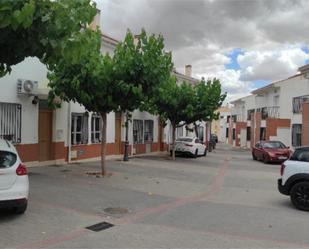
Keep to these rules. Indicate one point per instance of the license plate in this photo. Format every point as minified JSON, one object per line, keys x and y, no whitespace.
{"x":282,"y":157}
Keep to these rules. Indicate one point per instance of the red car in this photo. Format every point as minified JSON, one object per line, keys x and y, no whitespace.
{"x":270,"y":151}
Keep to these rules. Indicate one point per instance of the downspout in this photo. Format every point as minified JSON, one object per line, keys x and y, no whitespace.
{"x":69,"y":132}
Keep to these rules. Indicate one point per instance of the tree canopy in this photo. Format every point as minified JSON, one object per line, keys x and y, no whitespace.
{"x":41,"y":28}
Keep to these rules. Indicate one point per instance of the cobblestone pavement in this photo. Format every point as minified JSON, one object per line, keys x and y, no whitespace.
{"x":224,"y":200}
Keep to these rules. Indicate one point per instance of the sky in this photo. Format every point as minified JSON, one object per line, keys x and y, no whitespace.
{"x":245,"y":43}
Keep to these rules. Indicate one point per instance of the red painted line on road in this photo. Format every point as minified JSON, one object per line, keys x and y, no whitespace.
{"x":45,"y":243}
{"x":215,"y":187}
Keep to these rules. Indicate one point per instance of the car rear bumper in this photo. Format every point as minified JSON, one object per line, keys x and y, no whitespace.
{"x":282,"y":188}
{"x":13,"y":203}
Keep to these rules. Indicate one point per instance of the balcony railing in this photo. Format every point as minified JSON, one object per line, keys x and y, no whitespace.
{"x":269,"y":112}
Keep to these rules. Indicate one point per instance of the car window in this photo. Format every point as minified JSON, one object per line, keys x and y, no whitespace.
{"x":274,"y":145}
{"x":197,"y":141}
{"x":300,"y":155}
{"x":7,"y":159}
{"x":184,"y":139}
{"x":257,"y":145}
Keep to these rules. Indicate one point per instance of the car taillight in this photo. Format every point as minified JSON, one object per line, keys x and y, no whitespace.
{"x":189,"y":145}
{"x":21,"y":170}
{"x":282,"y":169}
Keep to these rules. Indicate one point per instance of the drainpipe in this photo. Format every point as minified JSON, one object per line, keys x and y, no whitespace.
{"x":69,"y":132}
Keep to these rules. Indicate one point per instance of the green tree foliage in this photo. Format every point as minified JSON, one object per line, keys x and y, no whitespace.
{"x":208,"y":98}
{"x":103,"y":83}
{"x":41,"y":28}
{"x":175,"y":103}
{"x":140,"y":66}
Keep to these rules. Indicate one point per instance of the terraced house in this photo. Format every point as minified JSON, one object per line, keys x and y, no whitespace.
{"x":71,"y":133}
{"x":278,"y":111}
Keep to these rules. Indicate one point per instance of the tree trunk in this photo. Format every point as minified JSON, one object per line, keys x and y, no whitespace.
{"x":126,"y":144}
{"x":103,"y":144}
{"x":174,"y":141}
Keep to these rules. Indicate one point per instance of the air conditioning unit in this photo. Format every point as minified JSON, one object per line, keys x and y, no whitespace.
{"x":29,"y":87}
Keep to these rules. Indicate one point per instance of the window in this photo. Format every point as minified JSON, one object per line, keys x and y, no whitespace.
{"x":138,"y":129}
{"x":228,"y":119}
{"x":179,"y":131}
{"x":296,"y":135}
{"x":249,"y":112}
{"x":79,"y":128}
{"x":227,"y":132}
{"x":264,"y":113}
{"x":96,"y":125}
{"x":298,"y":103}
{"x":301,"y":155}
{"x":248,"y":133}
{"x":7,"y":159}
{"x":148,"y":134}
{"x":234,"y":134}
{"x":10,"y":122}
{"x":262,"y":133}
{"x":234,"y":118}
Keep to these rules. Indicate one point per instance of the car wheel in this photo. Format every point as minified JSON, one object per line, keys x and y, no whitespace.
{"x":196,"y":153}
{"x":254,"y":157}
{"x":265,"y":159}
{"x":20,"y":209}
{"x":205,"y":152}
{"x":300,"y":195}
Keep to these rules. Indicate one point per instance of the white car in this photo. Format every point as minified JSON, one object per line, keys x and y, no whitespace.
{"x":14,"y":183}
{"x":191,"y":146}
{"x":295,"y":178}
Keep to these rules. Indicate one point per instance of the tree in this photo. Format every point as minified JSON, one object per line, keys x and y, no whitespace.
{"x":41,"y":28}
{"x":141,"y":65}
{"x":102,"y":83}
{"x":208,"y":98}
{"x":175,"y":103}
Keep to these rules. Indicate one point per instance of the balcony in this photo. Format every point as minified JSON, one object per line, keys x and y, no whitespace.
{"x":269,"y":112}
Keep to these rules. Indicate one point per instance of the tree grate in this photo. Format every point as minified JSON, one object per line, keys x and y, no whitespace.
{"x":100,"y":226}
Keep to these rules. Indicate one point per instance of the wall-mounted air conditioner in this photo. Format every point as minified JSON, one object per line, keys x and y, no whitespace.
{"x":29,"y":87}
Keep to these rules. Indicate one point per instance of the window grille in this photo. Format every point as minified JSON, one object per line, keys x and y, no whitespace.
{"x":148,"y":134}
{"x":96,"y":127}
{"x":262,"y":133}
{"x":138,"y":131}
{"x":10,"y":122}
{"x":79,"y":128}
{"x":200,"y":131}
{"x":298,"y":103}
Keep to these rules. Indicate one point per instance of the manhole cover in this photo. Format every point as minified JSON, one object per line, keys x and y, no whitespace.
{"x":116,"y":210}
{"x":100,"y":226}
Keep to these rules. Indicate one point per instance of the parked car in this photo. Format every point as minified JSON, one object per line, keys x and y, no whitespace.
{"x":14,"y":183}
{"x":190,"y":146}
{"x":270,"y":151}
{"x":294,"y":179}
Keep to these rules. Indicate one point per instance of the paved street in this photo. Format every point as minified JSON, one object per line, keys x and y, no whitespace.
{"x":224,"y":200}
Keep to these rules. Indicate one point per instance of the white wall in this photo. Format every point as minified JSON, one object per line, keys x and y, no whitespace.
{"x":31,"y":69}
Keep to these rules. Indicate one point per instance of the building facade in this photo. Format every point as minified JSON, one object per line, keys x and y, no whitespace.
{"x":278,"y":111}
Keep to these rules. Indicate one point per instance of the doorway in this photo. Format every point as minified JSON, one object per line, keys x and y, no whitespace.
{"x":45,"y":134}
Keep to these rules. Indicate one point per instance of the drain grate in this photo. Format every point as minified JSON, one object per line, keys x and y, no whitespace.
{"x":100,"y":226}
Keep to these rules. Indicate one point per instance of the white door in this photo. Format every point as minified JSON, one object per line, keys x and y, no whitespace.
{"x":243,"y":137}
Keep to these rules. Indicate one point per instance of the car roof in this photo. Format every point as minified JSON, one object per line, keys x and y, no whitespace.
{"x":5,"y":145}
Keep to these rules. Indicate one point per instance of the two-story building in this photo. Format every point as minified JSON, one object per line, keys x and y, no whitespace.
{"x":278,"y":111}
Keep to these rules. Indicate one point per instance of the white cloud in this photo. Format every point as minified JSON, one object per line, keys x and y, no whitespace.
{"x":231,"y":83}
{"x":271,"y":65}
